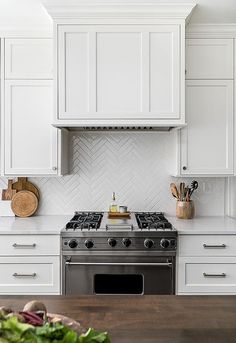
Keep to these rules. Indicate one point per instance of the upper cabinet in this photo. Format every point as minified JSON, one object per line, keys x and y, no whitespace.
{"x":206,"y":143}
{"x":28,"y":59}
{"x":119,"y":72}
{"x":31,"y":146}
{"x":119,"y":64}
{"x":209,"y":59}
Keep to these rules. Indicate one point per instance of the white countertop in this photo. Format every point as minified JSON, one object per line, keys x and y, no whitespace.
{"x":52,"y":225}
{"x":37,"y":225}
{"x":204,"y":225}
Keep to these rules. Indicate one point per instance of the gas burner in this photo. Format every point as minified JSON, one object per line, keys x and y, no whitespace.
{"x":152,"y":221}
{"x":85,"y":221}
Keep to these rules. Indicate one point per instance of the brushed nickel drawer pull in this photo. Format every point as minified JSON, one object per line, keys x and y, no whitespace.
{"x":24,"y":275}
{"x":214,"y":275}
{"x":214,"y":246}
{"x":16,"y":245}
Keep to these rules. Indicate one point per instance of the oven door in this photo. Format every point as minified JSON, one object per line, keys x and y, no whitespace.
{"x":118,"y":275}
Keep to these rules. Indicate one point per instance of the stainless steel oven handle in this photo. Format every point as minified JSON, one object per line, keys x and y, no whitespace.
{"x":164,"y":264}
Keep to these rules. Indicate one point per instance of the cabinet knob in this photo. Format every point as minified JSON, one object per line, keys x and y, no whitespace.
{"x":184,"y":168}
{"x":54,"y":168}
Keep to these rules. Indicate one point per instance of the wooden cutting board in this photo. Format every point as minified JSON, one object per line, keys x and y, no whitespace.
{"x":118,"y":215}
{"x":24,"y":204}
{"x":7,"y":194}
{"x":23,"y":184}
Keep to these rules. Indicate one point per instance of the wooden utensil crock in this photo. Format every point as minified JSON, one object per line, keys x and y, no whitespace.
{"x":185,"y":209}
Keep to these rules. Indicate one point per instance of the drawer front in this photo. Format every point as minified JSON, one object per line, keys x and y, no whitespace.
{"x":22,"y":245}
{"x":23,"y":275}
{"x":207,"y":245}
{"x":207,"y":275}
{"x":28,"y":58}
{"x":209,"y":59}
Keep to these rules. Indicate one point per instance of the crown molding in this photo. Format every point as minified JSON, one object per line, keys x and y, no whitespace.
{"x":211,"y":31}
{"x":72,"y":9}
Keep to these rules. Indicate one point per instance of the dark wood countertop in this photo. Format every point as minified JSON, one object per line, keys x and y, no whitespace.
{"x":147,"y":319}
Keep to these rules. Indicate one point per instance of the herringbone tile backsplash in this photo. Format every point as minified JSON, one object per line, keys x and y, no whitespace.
{"x":133,"y":164}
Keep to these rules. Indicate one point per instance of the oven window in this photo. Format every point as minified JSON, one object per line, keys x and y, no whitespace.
{"x":118,"y":284}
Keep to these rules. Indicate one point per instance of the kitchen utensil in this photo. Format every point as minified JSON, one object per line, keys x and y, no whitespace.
{"x":182,"y":187}
{"x":194,"y":186}
{"x":24,"y":203}
{"x":23,"y":184}
{"x":174,"y":190}
{"x":123,"y":209}
{"x":8,"y":193}
{"x":185,"y":209}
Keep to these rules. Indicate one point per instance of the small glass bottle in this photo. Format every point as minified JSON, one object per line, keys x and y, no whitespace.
{"x":113,"y":205}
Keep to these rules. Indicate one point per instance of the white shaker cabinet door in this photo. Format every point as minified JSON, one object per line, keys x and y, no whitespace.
{"x":28,"y":58}
{"x":118,"y":72}
{"x":209,"y":59}
{"x":30,"y":142}
{"x":207,"y":141}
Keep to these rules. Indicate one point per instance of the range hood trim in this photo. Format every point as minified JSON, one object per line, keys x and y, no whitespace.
{"x":71,"y":9}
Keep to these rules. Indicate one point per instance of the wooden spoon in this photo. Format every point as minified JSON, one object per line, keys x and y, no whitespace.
{"x":174,"y":190}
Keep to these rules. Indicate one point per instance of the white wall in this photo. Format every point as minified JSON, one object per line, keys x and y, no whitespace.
{"x":23,"y":13}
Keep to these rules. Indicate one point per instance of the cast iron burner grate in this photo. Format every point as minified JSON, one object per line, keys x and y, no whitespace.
{"x":152,"y":220}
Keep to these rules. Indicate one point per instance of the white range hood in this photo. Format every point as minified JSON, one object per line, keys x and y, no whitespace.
{"x":119,"y":66}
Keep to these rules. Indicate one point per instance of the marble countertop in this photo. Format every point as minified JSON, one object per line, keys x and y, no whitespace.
{"x":51,"y":225}
{"x":204,"y":225}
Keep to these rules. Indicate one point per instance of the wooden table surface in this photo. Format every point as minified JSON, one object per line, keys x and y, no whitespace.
{"x":147,"y":319}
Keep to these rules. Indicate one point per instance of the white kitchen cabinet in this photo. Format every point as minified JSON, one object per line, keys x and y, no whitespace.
{"x":209,"y":59}
{"x":30,"y":145}
{"x":30,"y":264}
{"x":206,"y":275}
{"x":206,"y":144}
{"x":120,"y":72}
{"x":28,"y":58}
{"x":34,"y":275}
{"x":206,"y":264}
{"x":29,"y":245}
{"x":30,"y":142}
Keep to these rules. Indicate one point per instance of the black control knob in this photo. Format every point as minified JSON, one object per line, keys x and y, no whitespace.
{"x":148,"y":243}
{"x":112,"y":242}
{"x":164,"y":243}
{"x":89,"y":243}
{"x":126,"y":242}
{"x":73,"y":243}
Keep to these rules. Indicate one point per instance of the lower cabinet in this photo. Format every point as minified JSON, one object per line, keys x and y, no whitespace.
{"x":30,"y":264}
{"x":206,"y":275}
{"x":34,"y":275}
{"x":206,"y":264}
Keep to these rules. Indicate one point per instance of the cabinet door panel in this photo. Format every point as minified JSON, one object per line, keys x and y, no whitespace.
{"x":209,"y":59}
{"x":30,"y":140}
{"x":74,"y":81}
{"x":34,"y":275}
{"x":28,"y":58}
{"x":206,"y":275}
{"x":207,"y":141}
{"x":164,"y":73}
{"x":119,"y":72}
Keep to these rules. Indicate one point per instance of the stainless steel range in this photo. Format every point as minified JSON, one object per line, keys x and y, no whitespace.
{"x":118,"y":256}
